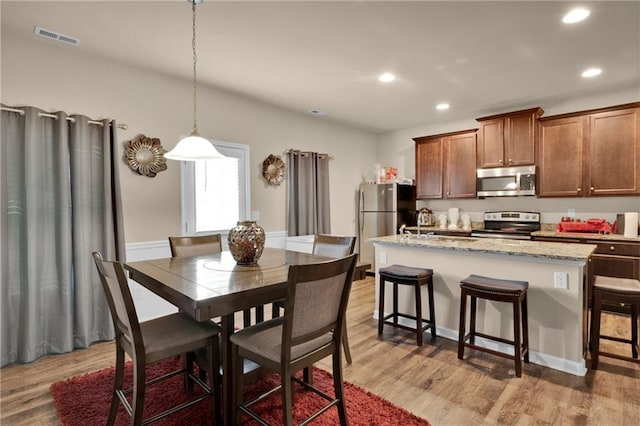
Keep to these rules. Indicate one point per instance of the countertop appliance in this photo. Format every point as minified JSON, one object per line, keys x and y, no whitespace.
{"x":506,"y":181}
{"x":508,"y":224}
{"x":425,"y":217}
{"x":383,"y":209}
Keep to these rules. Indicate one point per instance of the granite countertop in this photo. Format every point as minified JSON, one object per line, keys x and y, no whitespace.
{"x":574,"y":235}
{"x":540,"y":249}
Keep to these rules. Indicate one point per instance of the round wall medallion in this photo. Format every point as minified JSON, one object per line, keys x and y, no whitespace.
{"x":273,"y":169}
{"x":145,"y":156}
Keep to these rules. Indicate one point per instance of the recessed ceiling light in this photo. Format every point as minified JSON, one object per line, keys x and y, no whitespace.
{"x":442,"y":106}
{"x":591,"y":72}
{"x":575,"y":15}
{"x":316,"y":112}
{"x":387,"y":77}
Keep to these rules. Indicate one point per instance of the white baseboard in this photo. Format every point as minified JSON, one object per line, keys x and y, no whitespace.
{"x":546,"y":360}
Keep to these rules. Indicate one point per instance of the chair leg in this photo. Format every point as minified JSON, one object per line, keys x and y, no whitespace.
{"x":525,"y":328}
{"x":432,"y":311}
{"x":381,"y":305}
{"x":472,"y":320}
{"x":215,"y":379}
{"x":395,"y":303}
{"x":307,"y":374}
{"x":418,"y":296}
{"x":138,"y":391}
{"x":345,"y":345}
{"x":463,"y":319}
{"x":287,"y":396}
{"x":634,"y":330}
{"x":117,"y":385}
{"x":517,"y":344}
{"x":595,"y":328}
{"x":237,"y":365}
{"x":338,"y":388}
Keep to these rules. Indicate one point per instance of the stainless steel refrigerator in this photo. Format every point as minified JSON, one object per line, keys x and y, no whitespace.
{"x":383,"y":209}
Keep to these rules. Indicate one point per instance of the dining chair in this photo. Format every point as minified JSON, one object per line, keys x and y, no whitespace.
{"x":330,"y":246}
{"x":195,"y":245}
{"x":150,"y":341}
{"x":310,"y":330}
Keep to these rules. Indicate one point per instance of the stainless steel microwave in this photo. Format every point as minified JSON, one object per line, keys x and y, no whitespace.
{"x":507,"y":181}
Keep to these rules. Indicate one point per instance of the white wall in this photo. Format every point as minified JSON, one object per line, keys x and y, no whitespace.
{"x":57,"y":77}
{"x":398,"y":149}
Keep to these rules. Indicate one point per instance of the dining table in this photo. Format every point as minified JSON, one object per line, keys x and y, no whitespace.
{"x":211,"y":286}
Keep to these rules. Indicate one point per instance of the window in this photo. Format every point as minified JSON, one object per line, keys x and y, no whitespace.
{"x":216,"y":193}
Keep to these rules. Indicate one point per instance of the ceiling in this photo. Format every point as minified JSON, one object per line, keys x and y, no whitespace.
{"x":480,"y":57}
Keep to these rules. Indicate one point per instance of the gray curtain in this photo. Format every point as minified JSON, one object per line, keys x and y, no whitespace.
{"x":60,"y":201}
{"x":309,"y":210}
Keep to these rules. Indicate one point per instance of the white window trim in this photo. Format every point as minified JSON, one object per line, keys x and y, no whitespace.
{"x":187,"y":198}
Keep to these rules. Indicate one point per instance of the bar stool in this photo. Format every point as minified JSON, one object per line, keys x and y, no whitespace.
{"x":416,"y":277}
{"x":614,"y":290}
{"x":514,"y":292}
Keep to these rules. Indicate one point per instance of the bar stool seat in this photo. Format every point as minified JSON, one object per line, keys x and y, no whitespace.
{"x":498,"y":290}
{"x":610,"y":290}
{"x":416,"y":277}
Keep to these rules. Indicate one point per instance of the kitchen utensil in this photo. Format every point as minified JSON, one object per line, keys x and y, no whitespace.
{"x":454,"y":217}
{"x":425,"y":217}
{"x":443,"y":221}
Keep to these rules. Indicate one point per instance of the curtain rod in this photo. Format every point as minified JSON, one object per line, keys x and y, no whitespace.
{"x":331,"y":157}
{"x":71,"y":119}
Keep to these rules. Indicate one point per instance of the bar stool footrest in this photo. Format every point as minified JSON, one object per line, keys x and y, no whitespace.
{"x":427,"y":324}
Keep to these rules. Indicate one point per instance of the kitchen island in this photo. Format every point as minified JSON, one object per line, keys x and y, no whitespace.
{"x":557,"y":316}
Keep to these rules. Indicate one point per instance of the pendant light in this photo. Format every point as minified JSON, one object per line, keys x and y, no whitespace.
{"x":194,"y":147}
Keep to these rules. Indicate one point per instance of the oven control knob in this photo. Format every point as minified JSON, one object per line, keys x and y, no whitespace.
{"x":527,"y":217}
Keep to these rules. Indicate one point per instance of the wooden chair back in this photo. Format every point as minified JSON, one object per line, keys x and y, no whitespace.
{"x":333,"y":245}
{"x":121,"y":306}
{"x":195,"y":245}
{"x":316,"y":301}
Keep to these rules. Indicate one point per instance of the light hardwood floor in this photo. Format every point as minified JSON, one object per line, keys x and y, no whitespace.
{"x":429,"y":381}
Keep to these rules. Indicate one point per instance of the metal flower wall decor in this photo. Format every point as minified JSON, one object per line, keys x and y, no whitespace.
{"x":145,"y":156}
{"x":273,"y":169}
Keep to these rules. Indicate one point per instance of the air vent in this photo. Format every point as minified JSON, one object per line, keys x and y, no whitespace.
{"x":52,"y":35}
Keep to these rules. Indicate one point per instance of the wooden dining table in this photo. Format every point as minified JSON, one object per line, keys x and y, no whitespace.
{"x":215,"y":285}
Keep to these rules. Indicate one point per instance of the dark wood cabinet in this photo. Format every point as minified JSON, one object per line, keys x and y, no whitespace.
{"x":508,"y":139}
{"x":445,"y":165}
{"x":460,"y":171}
{"x":561,"y":157}
{"x":590,"y":153}
{"x":611,"y":259}
{"x":614,"y":152}
{"x":429,"y":167}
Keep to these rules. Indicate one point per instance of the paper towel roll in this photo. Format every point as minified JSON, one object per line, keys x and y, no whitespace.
{"x":630,"y":224}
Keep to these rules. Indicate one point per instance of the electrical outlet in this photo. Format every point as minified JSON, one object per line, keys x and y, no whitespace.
{"x":571,"y":213}
{"x":255,"y":215}
{"x":561,"y":280}
{"x":383,"y":258}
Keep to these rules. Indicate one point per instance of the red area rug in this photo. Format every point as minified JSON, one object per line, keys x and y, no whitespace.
{"x":84,"y":400}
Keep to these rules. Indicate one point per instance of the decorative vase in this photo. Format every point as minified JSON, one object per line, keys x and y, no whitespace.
{"x":246,"y":242}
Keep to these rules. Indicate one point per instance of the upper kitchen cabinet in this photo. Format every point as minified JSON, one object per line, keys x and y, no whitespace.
{"x":590,"y":153}
{"x":508,"y":139}
{"x":445,"y":165}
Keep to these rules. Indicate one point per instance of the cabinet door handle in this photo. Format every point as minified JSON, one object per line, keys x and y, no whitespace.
{"x":579,"y":190}
{"x":510,"y":160}
{"x":591,"y":188}
{"x":612,"y":248}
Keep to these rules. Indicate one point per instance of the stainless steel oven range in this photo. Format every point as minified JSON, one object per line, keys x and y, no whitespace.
{"x":508,"y":224}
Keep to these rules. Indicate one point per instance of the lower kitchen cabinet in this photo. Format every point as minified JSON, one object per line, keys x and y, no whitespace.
{"x":620,"y":259}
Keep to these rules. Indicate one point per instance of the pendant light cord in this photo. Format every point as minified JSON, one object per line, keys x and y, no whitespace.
{"x":195,"y":61}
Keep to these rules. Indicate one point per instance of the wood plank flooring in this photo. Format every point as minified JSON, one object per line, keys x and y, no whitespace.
{"x":429,"y":381}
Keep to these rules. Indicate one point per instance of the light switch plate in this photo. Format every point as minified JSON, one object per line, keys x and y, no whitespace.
{"x":561,"y":280}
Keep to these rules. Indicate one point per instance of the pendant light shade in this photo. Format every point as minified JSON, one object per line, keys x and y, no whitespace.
{"x":194,"y":147}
